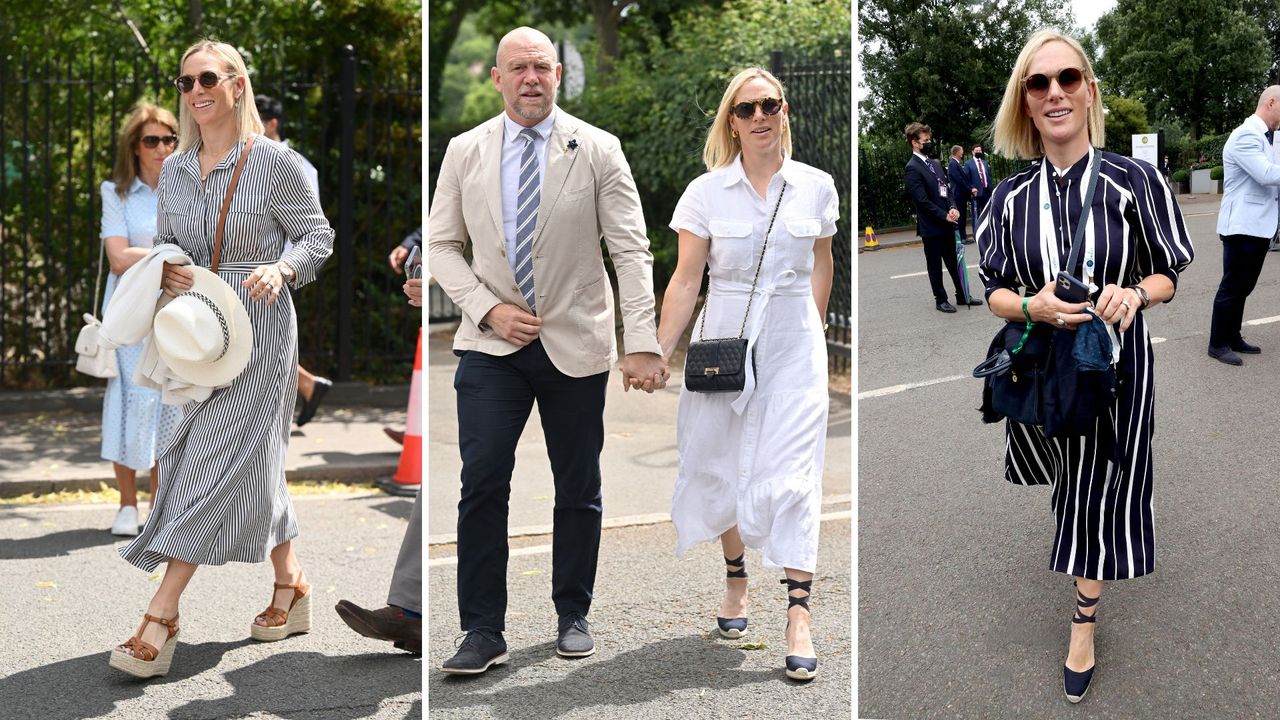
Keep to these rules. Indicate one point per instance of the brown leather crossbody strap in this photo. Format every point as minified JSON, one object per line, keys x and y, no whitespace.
{"x":226,"y":204}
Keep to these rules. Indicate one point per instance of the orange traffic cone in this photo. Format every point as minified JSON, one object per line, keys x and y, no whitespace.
{"x":408,"y":478}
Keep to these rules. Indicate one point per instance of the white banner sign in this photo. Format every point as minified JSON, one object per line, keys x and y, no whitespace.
{"x":1144,"y":148}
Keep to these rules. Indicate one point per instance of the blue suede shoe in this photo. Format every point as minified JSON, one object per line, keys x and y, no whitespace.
{"x":733,"y":628}
{"x":1076,"y":684}
{"x":799,"y":667}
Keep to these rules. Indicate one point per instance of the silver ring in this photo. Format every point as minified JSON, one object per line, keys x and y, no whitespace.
{"x":1060,"y":320}
{"x":1126,"y":304}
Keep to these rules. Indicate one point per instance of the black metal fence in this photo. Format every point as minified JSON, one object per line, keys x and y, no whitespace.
{"x":59,"y":119}
{"x":818,"y":93}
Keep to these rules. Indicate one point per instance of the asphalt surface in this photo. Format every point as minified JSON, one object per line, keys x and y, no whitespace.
{"x":68,"y":599}
{"x":657,"y":653}
{"x":959,"y":614}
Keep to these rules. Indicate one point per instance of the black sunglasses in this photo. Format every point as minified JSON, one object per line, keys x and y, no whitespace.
{"x":747,"y":110}
{"x":1069,"y":80}
{"x":151,"y":141}
{"x":207,"y":79}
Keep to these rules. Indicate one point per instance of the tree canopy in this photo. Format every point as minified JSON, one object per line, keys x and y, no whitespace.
{"x":943,"y":63}
{"x":1204,"y":61}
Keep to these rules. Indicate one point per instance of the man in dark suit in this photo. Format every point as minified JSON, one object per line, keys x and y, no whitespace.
{"x":959,"y":187}
{"x":936,"y":216}
{"x":979,"y":174}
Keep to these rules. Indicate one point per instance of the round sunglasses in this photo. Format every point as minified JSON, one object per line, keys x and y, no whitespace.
{"x":151,"y":141}
{"x":747,"y":110}
{"x":207,"y":79}
{"x":1069,"y":80}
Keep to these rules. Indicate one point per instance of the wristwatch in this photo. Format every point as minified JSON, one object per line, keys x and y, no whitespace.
{"x":1142,"y":295}
{"x":286,"y":272}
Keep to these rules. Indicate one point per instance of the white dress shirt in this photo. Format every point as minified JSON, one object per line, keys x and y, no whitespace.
{"x":512,"y":149}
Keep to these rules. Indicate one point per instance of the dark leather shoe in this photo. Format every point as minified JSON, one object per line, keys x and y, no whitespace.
{"x":389,"y":623}
{"x":971,"y":302}
{"x":1246,"y":348}
{"x":946,"y":307}
{"x":479,"y":650}
{"x":969,"y":240}
{"x":574,"y":638}
{"x":1226,"y":355}
{"x":318,"y":391}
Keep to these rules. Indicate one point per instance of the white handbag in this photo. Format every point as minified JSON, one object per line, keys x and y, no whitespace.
{"x":95,"y":360}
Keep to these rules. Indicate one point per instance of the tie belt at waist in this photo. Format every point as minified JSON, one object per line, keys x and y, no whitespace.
{"x":242,"y":267}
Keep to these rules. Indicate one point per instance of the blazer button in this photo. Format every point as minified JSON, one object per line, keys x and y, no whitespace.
{"x":515,"y":288}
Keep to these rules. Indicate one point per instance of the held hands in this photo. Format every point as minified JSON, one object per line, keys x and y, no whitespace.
{"x":413,"y":288}
{"x":265,"y":283}
{"x":1118,"y":304}
{"x":176,"y":280}
{"x":1046,"y":307}
{"x":953,"y":215}
{"x":973,"y":192}
{"x":644,"y":371}
{"x":511,"y":323}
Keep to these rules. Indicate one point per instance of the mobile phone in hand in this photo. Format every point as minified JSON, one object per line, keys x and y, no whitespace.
{"x":1069,"y":289}
{"x":413,"y":264}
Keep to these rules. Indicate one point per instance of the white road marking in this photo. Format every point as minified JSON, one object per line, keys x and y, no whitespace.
{"x":895,"y":389}
{"x":545,"y":549}
{"x":924,"y":272}
{"x":1263,"y":321}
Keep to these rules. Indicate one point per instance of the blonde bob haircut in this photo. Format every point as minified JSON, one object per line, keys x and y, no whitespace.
{"x":127,"y":168}
{"x":246,"y":111}
{"x":1014,"y":132}
{"x":722,"y":147}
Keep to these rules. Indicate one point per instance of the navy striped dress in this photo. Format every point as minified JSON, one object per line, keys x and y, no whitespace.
{"x":1101,"y":494}
{"x":222,"y":494}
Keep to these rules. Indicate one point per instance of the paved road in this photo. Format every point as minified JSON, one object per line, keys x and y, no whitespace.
{"x":959,"y":615}
{"x":68,"y":598}
{"x":653,"y":619}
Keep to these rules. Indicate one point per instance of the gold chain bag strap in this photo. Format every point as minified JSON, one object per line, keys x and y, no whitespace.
{"x":720,"y":364}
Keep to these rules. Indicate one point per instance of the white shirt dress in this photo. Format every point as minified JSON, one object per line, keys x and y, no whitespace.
{"x":754,"y":459}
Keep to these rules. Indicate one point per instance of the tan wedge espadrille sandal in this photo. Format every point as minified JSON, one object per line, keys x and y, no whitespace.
{"x":143,"y":660}
{"x":283,"y":623}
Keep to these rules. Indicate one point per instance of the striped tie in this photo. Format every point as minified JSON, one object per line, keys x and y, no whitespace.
{"x":527,"y":198}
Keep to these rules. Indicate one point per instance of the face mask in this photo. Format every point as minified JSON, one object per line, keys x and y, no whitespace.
{"x":978,"y":155}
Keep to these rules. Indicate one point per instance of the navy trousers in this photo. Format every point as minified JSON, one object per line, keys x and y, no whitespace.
{"x":1242,"y":258}
{"x":939,"y":252}
{"x":495,"y":396}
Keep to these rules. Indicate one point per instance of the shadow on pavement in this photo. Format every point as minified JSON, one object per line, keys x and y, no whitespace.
{"x":397,"y":508}
{"x":55,"y":544}
{"x":307,"y":685}
{"x":637,"y":676}
{"x":86,"y":687}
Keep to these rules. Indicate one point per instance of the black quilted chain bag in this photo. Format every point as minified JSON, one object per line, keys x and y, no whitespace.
{"x":720,"y":364}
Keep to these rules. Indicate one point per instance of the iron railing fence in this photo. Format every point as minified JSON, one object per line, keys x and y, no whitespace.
{"x":59,"y":121}
{"x":818,"y":94}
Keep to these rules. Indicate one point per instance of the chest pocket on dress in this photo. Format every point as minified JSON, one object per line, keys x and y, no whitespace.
{"x":732,"y":246}
{"x":802,"y":231}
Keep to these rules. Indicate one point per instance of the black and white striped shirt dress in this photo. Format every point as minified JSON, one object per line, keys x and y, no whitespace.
{"x":1101,"y":491}
{"x":222,"y":495}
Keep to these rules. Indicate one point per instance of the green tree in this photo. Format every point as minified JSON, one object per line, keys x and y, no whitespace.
{"x":943,"y":63}
{"x":1204,"y":61}
{"x":1125,"y":117}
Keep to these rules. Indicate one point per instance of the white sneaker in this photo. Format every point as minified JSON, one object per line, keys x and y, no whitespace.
{"x":126,"y":522}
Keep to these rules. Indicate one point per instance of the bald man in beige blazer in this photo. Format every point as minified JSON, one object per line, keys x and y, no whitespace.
{"x":533,"y":192}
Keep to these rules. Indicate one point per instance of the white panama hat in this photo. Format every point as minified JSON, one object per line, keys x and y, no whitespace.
{"x":204,"y":335}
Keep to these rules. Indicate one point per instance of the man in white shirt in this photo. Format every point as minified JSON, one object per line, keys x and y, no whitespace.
{"x":1247,"y":220}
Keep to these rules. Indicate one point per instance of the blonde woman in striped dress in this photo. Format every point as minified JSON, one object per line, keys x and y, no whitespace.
{"x":222,"y":493}
{"x":1136,"y":244}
